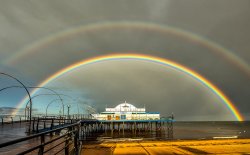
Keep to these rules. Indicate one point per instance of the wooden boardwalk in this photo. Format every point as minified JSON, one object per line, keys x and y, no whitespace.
{"x":46,"y":133}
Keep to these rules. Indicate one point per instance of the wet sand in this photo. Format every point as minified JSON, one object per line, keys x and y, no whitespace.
{"x":227,"y":146}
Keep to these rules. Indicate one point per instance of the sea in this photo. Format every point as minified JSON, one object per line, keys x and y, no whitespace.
{"x":181,"y":131}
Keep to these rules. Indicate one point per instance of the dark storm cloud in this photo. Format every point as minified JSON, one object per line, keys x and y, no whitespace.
{"x":25,"y":23}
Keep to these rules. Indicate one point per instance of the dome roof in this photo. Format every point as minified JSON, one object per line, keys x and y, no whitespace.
{"x":125,"y":106}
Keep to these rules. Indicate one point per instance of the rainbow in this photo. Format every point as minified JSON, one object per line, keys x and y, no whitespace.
{"x":158,"y":60}
{"x":163,"y":29}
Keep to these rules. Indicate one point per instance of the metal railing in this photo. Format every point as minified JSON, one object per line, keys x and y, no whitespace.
{"x":11,"y":119}
{"x":70,"y":139}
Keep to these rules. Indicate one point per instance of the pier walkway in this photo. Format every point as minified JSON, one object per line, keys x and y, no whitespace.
{"x":66,"y":136}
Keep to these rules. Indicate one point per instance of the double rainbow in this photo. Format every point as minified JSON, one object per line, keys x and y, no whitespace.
{"x":158,"y":60}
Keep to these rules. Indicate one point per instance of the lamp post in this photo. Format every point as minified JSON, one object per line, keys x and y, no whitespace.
{"x":27,"y":91}
{"x":51,"y":103}
{"x":35,"y":95}
{"x":60,"y":113}
{"x":90,"y":110}
{"x":68,"y":106}
{"x":26,"y":114}
{"x":73,"y":101}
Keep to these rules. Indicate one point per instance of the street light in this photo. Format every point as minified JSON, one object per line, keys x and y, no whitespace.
{"x":51,"y":103}
{"x":23,"y":87}
{"x":73,"y":101}
{"x":33,"y":96}
{"x":90,"y":110}
{"x":26,"y":115}
{"x":68,"y":106}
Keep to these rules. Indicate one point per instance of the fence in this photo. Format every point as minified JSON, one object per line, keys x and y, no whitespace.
{"x":69,"y":140}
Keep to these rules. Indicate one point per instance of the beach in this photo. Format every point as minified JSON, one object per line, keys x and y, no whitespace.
{"x":141,"y":147}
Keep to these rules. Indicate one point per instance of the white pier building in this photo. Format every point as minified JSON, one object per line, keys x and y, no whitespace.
{"x":126,"y":111}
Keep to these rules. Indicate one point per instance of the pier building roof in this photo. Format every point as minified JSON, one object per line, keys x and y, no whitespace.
{"x":125,"y":107}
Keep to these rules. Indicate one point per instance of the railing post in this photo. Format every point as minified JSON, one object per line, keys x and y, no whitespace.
{"x":52,"y":124}
{"x":42,"y":146}
{"x":44,"y":123}
{"x":67,"y":146}
{"x":71,"y":140}
{"x":11,"y":120}
{"x":37,"y":125}
{"x":33,"y":124}
{"x":76,"y":136}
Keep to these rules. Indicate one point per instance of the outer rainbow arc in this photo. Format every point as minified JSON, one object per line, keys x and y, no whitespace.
{"x":220,"y":50}
{"x":175,"y":65}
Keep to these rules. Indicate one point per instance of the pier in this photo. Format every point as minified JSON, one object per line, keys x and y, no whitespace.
{"x":67,"y":136}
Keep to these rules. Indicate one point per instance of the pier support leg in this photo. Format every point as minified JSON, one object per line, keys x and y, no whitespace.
{"x":123,"y":128}
{"x":170,"y":129}
{"x":112,"y":128}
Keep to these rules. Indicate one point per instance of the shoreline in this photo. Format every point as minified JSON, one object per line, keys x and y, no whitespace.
{"x":155,"y":147}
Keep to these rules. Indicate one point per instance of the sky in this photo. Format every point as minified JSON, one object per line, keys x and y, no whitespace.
{"x":38,"y":39}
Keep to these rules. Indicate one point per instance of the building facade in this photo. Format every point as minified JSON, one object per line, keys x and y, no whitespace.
{"x":126,"y":111}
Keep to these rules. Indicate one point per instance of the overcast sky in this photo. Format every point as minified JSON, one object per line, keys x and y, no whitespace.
{"x":210,"y":37}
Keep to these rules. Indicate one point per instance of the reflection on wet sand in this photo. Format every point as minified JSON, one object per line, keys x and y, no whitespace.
{"x":229,"y":146}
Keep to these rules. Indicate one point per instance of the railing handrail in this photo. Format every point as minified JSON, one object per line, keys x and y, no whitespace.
{"x":36,"y":135}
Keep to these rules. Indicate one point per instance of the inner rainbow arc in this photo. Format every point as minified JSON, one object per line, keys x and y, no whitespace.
{"x":229,"y":104}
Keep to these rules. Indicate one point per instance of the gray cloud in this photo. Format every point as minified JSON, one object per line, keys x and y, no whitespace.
{"x":158,"y":87}
{"x":24,"y":24}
